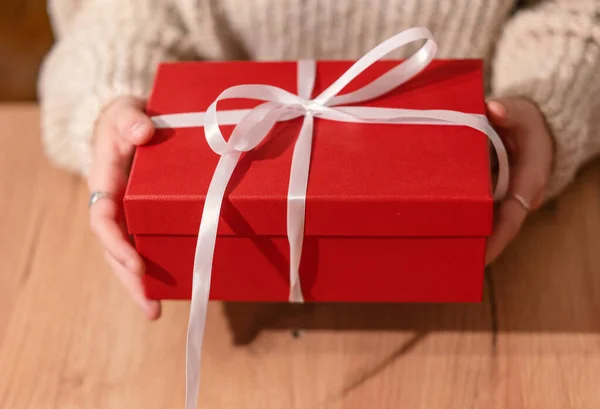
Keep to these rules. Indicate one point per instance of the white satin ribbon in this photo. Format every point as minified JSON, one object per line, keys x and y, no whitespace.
{"x":252,"y":127}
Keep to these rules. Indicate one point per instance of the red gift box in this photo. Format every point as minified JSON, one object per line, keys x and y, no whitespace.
{"x":394,"y":213}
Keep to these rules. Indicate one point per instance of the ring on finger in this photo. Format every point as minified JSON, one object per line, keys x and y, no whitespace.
{"x":97,"y":195}
{"x":521,"y":200}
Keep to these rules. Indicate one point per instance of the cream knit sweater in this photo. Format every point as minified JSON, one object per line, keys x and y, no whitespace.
{"x":547,"y":50}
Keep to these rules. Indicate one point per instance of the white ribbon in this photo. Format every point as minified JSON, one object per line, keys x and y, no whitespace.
{"x":253,"y":125}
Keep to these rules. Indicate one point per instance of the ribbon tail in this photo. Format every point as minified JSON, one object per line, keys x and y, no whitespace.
{"x":296,"y":210}
{"x":205,"y":248}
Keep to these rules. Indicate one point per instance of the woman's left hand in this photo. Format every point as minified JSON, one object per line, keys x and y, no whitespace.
{"x":528,"y":142}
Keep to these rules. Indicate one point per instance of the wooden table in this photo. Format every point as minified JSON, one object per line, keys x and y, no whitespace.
{"x":71,"y":338}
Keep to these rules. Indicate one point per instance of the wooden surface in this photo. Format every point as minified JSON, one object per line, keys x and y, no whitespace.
{"x":70,"y":337}
{"x":25,"y":38}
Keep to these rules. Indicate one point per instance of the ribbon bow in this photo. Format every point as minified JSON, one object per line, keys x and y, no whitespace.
{"x":253,"y":126}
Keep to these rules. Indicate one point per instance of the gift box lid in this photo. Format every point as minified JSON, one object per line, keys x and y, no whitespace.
{"x":365,"y":179}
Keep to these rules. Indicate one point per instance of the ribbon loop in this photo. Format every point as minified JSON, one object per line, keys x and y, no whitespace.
{"x":391,"y":79}
{"x":411,"y":66}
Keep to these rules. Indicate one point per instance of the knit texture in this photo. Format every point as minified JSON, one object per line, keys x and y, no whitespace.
{"x":547,"y":50}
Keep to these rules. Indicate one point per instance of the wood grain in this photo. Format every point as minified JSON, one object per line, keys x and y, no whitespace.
{"x":70,"y":337}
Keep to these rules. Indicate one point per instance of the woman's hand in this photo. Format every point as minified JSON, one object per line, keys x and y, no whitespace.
{"x":523,"y":129}
{"x":120,"y":127}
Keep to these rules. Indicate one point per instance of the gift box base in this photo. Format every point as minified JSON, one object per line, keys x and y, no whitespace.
{"x":333,"y":269}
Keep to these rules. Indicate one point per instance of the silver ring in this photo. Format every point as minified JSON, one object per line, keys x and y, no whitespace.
{"x":97,"y":195}
{"x":522,"y":201}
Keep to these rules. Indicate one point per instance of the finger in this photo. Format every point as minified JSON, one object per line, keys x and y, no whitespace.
{"x":105,"y":226}
{"x":498,"y":116}
{"x":132,"y":124}
{"x":511,"y":214}
{"x":109,"y":164}
{"x":133,"y":284}
{"x":510,"y":217}
{"x":124,"y":261}
{"x":109,"y":174}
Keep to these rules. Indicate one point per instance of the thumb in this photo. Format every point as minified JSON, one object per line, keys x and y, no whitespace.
{"x":132,"y":123}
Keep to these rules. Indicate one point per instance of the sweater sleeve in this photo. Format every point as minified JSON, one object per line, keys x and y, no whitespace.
{"x":107,"y":48}
{"x":549,"y":52}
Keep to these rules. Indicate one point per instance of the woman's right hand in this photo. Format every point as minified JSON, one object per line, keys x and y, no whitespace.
{"x":121,"y":127}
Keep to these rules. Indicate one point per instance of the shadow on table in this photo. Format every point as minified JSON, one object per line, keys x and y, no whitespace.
{"x":247,"y":320}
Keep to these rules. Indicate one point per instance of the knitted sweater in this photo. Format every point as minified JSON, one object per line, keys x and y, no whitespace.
{"x":545,"y":50}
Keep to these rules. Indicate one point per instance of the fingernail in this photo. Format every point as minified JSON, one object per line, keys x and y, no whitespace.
{"x":139,"y":129}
